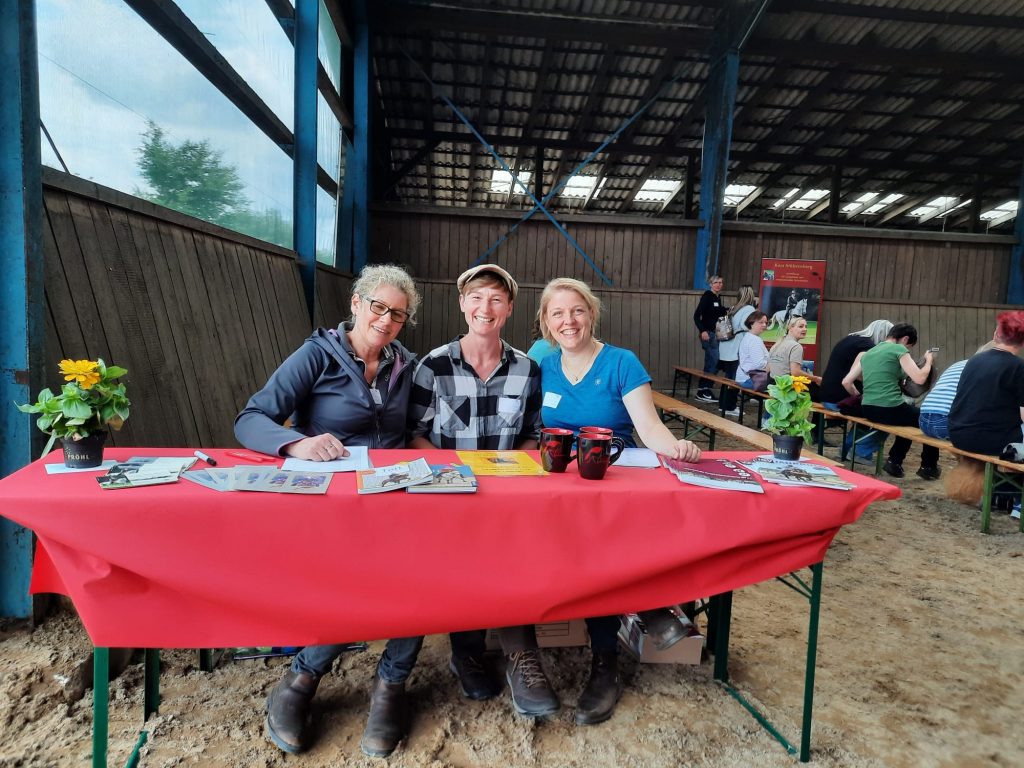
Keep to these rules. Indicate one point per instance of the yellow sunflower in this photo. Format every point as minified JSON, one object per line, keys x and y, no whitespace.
{"x":85,"y":372}
{"x":800,"y":383}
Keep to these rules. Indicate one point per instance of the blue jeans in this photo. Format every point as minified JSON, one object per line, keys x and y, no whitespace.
{"x":866,"y":446}
{"x":710,"y":348}
{"x":935,"y":425}
{"x":397,"y":661}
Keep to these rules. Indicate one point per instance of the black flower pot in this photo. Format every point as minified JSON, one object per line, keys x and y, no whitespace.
{"x":787,"y":447}
{"x":84,"y":453}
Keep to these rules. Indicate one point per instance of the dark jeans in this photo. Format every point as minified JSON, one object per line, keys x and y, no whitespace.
{"x":711,"y":363}
{"x":398,"y":659}
{"x":727,"y":397}
{"x":902,"y":415}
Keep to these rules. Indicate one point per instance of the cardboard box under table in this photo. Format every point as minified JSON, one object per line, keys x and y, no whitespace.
{"x":634,"y":638}
{"x":555,"y":634}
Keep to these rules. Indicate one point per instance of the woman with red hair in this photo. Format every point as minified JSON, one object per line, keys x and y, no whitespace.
{"x":989,"y":405}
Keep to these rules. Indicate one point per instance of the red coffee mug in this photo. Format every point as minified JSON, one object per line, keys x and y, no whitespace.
{"x":594,"y":453}
{"x":597,"y":431}
{"x":555,"y":448}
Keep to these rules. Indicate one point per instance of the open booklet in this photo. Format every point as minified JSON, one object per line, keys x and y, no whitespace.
{"x":261,"y":479}
{"x":393,"y":477}
{"x":447,"y":478}
{"x":722,"y":474}
{"x":145,"y":470}
{"x":796,"y":473}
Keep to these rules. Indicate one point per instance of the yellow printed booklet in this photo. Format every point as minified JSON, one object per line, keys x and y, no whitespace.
{"x":500,"y":463}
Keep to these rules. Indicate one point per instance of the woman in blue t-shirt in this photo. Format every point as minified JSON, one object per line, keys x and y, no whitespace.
{"x":587,"y":382}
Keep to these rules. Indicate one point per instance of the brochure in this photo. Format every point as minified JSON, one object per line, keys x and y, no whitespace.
{"x":500,"y":463}
{"x":796,"y":473}
{"x":723,"y":474}
{"x":393,"y":477}
{"x":447,"y":478}
{"x":261,"y":479}
{"x":358,"y":458}
{"x":139,"y":471}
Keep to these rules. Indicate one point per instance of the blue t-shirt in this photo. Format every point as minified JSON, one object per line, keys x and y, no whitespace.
{"x":540,"y":349}
{"x":596,"y":401}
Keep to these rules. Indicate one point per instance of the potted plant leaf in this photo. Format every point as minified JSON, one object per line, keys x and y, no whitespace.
{"x":80,"y":414}
{"x":788,"y":407}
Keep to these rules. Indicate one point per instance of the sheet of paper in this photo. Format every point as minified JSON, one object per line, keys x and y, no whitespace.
{"x":638,"y":457}
{"x":358,"y":458}
{"x":59,"y":469}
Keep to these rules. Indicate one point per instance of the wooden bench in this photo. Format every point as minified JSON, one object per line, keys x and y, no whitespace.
{"x":1006,"y":471}
{"x":711,"y":424}
{"x":744,"y":393}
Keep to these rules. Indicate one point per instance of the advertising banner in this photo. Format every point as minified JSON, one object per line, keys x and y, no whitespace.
{"x":791,"y":288}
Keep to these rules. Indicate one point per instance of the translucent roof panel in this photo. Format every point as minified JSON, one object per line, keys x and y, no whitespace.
{"x":657,"y":190}
{"x":501,"y":182}
{"x":737,"y":193}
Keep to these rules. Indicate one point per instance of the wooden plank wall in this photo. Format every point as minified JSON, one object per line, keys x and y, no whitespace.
{"x":198,"y":315}
{"x":948,"y":286}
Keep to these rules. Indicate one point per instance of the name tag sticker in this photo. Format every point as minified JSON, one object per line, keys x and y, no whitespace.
{"x":551,"y":399}
{"x":508,"y":405}
{"x":375,"y":394}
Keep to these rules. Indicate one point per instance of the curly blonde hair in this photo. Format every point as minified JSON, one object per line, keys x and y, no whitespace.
{"x":373,"y":276}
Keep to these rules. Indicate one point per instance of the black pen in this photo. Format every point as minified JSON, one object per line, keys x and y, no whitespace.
{"x":207,"y":459}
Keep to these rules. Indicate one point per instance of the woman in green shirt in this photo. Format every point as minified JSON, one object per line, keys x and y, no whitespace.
{"x":881,"y":368}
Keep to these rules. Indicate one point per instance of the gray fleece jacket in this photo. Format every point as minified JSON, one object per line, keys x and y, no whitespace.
{"x":323,"y":390}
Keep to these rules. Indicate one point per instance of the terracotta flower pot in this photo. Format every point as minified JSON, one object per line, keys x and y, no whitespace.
{"x":84,"y":453}
{"x":787,"y":447}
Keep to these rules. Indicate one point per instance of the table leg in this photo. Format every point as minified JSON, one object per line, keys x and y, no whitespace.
{"x":100,"y":705}
{"x":151,"y":695}
{"x":721,"y":618}
{"x":986,"y":498}
{"x":812,"y":660}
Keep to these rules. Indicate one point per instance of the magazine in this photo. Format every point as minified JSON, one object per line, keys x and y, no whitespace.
{"x":723,"y":474}
{"x":145,"y":470}
{"x":261,"y":479}
{"x":393,"y":477}
{"x":500,"y":463}
{"x":447,"y":478}
{"x":796,"y":473}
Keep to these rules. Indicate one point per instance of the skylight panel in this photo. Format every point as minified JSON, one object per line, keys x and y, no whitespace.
{"x":881,"y":205}
{"x":657,"y":190}
{"x":785,"y":197}
{"x":501,"y":182}
{"x":808,"y":199}
{"x":930,"y":208}
{"x":1001,"y":211}
{"x":737,"y":193}
{"x":579,"y":186}
{"x":954,"y":208}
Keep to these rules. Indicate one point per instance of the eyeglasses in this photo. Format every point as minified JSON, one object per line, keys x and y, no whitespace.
{"x":380,"y":309}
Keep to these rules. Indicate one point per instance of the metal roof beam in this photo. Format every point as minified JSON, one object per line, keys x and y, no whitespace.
{"x":908,"y":15}
{"x":531,"y":118}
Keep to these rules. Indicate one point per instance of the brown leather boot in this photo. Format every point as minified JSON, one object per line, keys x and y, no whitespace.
{"x":288,"y":710}
{"x":598,"y":700}
{"x":386,"y":723}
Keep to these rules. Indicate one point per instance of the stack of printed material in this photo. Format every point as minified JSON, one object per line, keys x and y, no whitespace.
{"x":263,"y":479}
{"x":722,"y":474}
{"x":799,"y":473}
{"x":447,"y":478}
{"x":145,"y":470}
{"x":393,"y":477}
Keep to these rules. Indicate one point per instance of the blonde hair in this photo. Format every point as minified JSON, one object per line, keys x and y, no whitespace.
{"x":568,"y":284}
{"x":745,"y":298}
{"x":793,"y":321}
{"x":373,"y":276}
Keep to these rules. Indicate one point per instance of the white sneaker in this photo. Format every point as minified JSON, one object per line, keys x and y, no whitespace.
{"x":706,"y":397}
{"x":733,"y":412}
{"x":1015,"y":514}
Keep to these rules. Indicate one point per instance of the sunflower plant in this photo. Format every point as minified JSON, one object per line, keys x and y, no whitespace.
{"x":89,"y":402}
{"x":789,"y":407}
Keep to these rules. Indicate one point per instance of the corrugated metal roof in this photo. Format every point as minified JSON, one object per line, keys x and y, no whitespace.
{"x":921,"y":97}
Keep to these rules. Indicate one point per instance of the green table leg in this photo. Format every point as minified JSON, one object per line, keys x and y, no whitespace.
{"x":100,"y":705}
{"x":986,"y":498}
{"x":812,"y":660}
{"x":721,"y":617}
{"x":151,"y":696}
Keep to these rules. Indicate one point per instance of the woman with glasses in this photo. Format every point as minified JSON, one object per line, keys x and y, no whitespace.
{"x":348,"y":385}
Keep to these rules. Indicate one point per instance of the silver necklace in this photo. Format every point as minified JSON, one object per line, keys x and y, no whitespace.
{"x":571,"y":374}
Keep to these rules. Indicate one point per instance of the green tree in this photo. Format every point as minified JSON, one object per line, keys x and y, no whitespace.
{"x":190,"y":177}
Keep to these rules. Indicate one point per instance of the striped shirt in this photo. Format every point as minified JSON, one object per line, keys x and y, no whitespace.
{"x":454,"y":408}
{"x":940,"y":398}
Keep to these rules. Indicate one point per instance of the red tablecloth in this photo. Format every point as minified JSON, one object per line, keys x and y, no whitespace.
{"x":184,"y":566}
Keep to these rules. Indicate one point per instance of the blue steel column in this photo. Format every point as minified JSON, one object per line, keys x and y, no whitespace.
{"x":22,"y":302}
{"x":304,"y":158}
{"x":714,"y":162}
{"x":358,"y":174}
{"x":1015,"y":286}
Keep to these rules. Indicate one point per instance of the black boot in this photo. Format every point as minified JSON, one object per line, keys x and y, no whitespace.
{"x":288,"y":710}
{"x":385,"y":725}
{"x":598,"y":700}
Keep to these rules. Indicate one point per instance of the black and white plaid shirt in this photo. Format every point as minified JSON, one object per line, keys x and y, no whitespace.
{"x":454,"y":408}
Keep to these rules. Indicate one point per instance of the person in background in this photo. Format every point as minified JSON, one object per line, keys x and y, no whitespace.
{"x":588,"y":382}
{"x":840,"y":360}
{"x":477,"y":393}
{"x":709,"y":309}
{"x":881,"y":368}
{"x":343,"y":386}
{"x":988,"y":409}
{"x":753,"y":354}
{"x":786,"y":357}
{"x":729,"y":350}
{"x":935,"y":407}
